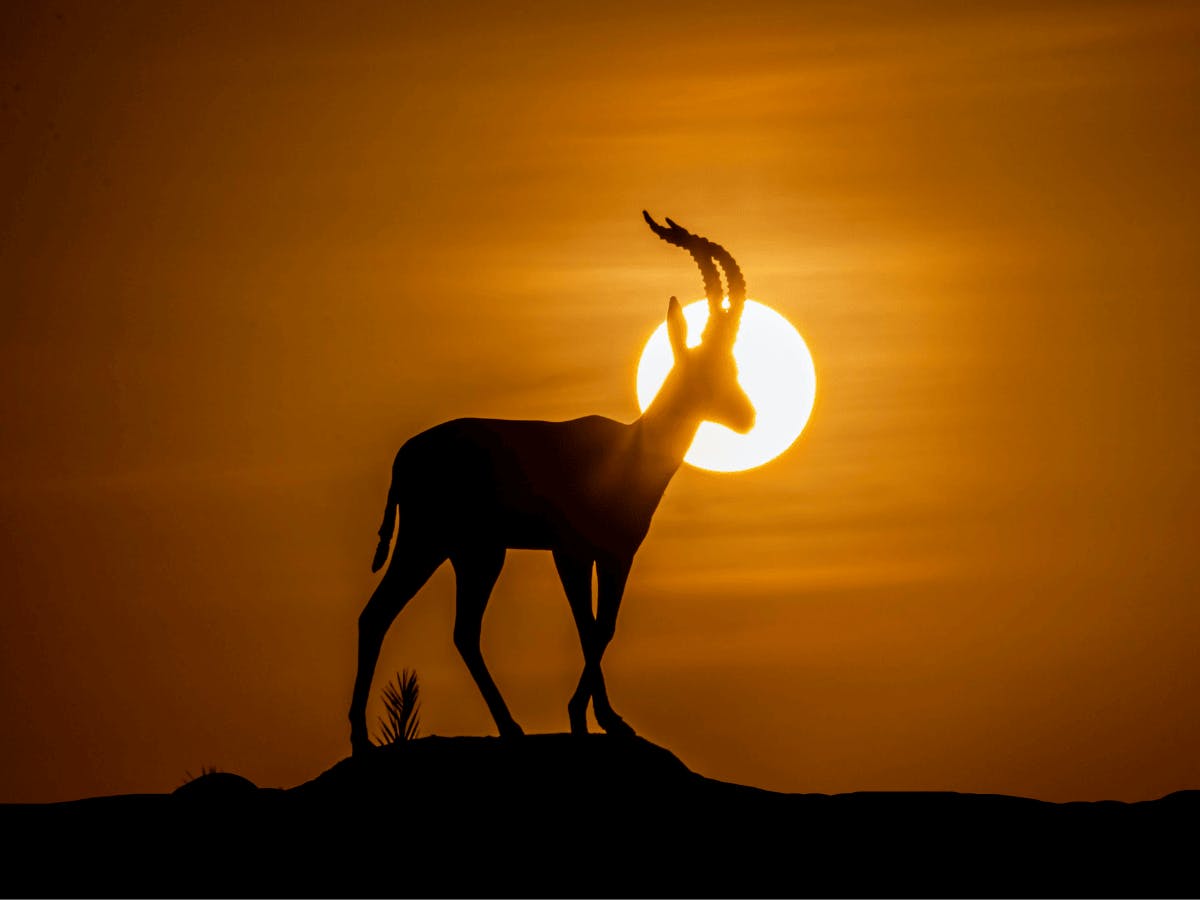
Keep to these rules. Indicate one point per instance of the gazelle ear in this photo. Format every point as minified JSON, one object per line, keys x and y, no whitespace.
{"x":676,"y":329}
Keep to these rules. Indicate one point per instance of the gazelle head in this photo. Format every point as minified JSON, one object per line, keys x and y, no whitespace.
{"x":704,"y":380}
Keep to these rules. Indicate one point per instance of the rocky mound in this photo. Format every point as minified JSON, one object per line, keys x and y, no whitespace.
{"x":596,"y":816}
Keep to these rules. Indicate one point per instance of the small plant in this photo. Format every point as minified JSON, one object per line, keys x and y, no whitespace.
{"x":204,"y":770}
{"x":401,"y":706}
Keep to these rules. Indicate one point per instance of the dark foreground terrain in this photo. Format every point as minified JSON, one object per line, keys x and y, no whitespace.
{"x":564,"y":816}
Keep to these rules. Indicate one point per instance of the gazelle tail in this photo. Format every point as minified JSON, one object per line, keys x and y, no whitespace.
{"x":388,"y":528}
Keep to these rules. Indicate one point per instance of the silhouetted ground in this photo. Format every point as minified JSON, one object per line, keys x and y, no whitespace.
{"x":565,"y":816}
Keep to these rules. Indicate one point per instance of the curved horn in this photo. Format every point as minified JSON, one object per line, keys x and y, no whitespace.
{"x":737,"y":285}
{"x":698,"y":247}
{"x":703,"y":249}
{"x":733,"y":278}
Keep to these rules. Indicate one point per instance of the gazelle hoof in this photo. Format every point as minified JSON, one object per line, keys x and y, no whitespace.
{"x":616,"y":726}
{"x":511,"y":730}
{"x":577,"y":715}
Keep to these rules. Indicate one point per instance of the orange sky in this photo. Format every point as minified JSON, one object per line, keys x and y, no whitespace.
{"x":245,"y":254}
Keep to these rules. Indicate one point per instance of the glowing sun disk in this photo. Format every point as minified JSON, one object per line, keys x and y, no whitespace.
{"x":774,"y":368}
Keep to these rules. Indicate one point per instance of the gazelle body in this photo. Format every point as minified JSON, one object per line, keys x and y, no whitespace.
{"x":585,"y":489}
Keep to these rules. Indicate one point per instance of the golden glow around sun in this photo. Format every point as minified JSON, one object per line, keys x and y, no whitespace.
{"x":774,"y":368}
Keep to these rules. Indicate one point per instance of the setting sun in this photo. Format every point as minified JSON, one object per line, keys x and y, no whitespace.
{"x":776,"y":371}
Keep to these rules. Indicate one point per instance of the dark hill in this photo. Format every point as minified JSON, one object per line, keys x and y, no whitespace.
{"x":564,"y":816}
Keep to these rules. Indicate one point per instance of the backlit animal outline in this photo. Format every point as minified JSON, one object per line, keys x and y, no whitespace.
{"x":585,"y":489}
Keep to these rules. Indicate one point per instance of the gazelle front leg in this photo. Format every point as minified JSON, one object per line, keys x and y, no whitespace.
{"x":575,"y":573}
{"x":610,"y":577}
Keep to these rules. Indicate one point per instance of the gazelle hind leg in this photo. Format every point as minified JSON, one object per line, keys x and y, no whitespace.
{"x":476,"y":571}
{"x":411,"y":566}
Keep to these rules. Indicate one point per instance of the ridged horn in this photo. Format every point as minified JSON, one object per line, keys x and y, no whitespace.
{"x":698,"y":248}
{"x":704,"y":251}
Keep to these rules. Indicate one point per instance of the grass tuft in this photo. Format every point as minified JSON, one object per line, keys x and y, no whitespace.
{"x":204,"y":770}
{"x":401,"y":705}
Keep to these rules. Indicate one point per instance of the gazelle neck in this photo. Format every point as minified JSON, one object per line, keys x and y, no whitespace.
{"x":669,"y":424}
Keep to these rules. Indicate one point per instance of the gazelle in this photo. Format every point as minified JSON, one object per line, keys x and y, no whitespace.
{"x":470,"y":489}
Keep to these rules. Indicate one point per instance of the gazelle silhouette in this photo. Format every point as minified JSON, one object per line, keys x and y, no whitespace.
{"x":585,"y":489}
